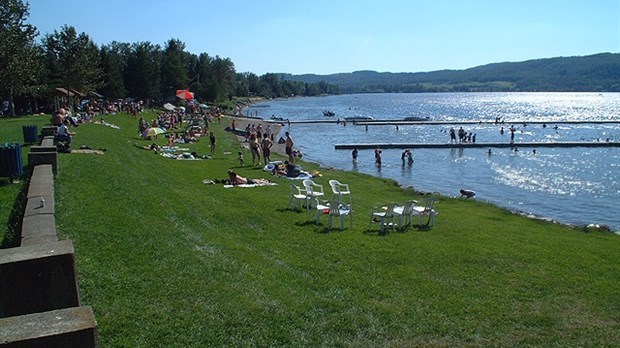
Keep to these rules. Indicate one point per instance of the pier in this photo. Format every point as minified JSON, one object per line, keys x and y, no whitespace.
{"x":438,"y":123}
{"x":476,"y":145}
{"x":489,"y":122}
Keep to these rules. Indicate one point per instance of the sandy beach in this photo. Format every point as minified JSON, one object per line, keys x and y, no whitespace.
{"x":242,"y":122}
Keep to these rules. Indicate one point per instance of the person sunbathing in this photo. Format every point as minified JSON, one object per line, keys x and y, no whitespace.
{"x":236,"y":179}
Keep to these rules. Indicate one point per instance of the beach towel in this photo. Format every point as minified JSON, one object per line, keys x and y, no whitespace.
{"x":252,"y":185}
{"x":104,"y":123}
{"x":302,"y":175}
{"x":90,"y":151}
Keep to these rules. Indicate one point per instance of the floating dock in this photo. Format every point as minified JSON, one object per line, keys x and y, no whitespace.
{"x":475,"y":145}
{"x":504,"y":123}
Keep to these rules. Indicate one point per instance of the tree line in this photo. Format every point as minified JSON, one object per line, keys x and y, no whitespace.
{"x":31,"y":70}
{"x":593,"y":73}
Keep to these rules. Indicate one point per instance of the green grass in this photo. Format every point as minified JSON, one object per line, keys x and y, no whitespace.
{"x":167,"y":261}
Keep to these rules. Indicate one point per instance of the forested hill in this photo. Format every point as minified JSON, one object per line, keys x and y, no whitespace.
{"x":595,"y":73}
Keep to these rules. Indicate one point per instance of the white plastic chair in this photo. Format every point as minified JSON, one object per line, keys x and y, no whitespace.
{"x":298,"y":195}
{"x":426,"y":208}
{"x":385,"y":216}
{"x":334,"y":209}
{"x":404,"y":213}
{"x":313,"y":190}
{"x":340,"y":190}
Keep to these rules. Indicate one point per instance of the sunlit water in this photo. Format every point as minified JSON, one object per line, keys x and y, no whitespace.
{"x":573,"y":185}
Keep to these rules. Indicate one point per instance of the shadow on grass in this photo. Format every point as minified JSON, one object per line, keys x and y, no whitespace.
{"x":13,"y":233}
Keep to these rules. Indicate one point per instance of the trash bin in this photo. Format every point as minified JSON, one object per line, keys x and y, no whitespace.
{"x":11,"y":160}
{"x":30,"y":134}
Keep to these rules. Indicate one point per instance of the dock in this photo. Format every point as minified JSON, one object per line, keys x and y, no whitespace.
{"x":438,"y":123}
{"x":504,"y":123}
{"x":476,"y":145}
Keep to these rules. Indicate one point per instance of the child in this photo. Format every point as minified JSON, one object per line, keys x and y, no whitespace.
{"x":240,"y":158}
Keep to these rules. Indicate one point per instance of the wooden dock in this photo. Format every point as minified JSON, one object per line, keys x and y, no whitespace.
{"x":475,"y":145}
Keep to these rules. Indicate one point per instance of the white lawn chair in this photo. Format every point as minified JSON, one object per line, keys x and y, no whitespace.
{"x":404,"y":213}
{"x":298,"y":195}
{"x":313,"y":190}
{"x":384,"y":215}
{"x":339,"y":190}
{"x":334,"y":209}
{"x":426,"y":208}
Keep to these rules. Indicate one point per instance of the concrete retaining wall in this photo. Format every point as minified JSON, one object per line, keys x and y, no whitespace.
{"x":39,"y":293}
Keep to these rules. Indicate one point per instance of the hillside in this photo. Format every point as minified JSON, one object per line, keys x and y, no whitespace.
{"x":594,"y":73}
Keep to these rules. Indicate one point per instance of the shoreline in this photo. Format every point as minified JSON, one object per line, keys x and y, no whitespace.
{"x":243,"y":121}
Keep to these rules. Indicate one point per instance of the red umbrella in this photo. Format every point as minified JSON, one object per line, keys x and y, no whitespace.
{"x":185,"y":94}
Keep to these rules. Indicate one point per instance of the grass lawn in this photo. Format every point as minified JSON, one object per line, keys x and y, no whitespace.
{"x":167,"y":261}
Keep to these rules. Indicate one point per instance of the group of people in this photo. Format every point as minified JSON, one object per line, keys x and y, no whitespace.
{"x":62,"y":119}
{"x":463,"y":136}
{"x":406,"y":156}
{"x":260,"y":142}
{"x":257,"y":130}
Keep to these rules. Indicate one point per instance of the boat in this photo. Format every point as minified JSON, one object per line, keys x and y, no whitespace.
{"x":329,"y":113}
{"x":417,"y":118}
{"x":358,"y":118}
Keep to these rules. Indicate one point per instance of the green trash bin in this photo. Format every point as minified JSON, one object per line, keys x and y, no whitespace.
{"x":30,"y":134}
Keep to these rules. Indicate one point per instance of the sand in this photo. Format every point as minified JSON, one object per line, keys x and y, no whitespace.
{"x":242,"y":122}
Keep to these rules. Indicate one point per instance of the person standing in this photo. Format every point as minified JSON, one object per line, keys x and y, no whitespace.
{"x":255,"y":149}
{"x":212,"y":142}
{"x":354,"y":154}
{"x":266,"y":144}
{"x":378,"y":156}
{"x":409,"y":157}
{"x":268,"y":133}
{"x":461,"y":134}
{"x":288,"y":147}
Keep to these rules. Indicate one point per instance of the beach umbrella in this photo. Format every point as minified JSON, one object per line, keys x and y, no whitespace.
{"x":185,"y":94}
{"x":153,"y":131}
{"x":168,"y":106}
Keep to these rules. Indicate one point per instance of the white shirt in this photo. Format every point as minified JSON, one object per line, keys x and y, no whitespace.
{"x":63,"y":130}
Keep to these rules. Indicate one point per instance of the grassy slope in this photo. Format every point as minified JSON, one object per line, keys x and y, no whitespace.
{"x":168,"y":261}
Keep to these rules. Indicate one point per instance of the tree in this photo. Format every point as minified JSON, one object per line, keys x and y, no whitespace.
{"x":73,"y":60}
{"x":143,"y":73}
{"x":173,"y":69}
{"x":113,"y":63}
{"x":18,"y":53}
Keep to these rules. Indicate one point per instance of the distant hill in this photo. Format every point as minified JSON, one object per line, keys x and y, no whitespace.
{"x":594,"y":73}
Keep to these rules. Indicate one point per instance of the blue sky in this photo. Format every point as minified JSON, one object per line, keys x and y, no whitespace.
{"x":324,"y":37}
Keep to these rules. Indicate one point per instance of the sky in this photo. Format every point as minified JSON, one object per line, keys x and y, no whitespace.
{"x":340,"y":36}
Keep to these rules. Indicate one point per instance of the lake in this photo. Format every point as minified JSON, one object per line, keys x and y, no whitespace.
{"x":578,"y":185}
